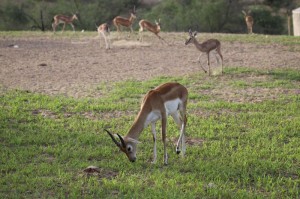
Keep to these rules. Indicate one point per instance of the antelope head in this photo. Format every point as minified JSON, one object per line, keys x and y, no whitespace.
{"x":126,"y":145}
{"x":75,"y":16}
{"x":158,"y":23}
{"x":192,"y":37}
{"x":133,"y":13}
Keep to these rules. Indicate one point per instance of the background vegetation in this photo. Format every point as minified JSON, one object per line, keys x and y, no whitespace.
{"x":176,"y":15}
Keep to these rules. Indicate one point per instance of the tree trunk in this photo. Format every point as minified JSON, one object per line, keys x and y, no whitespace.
{"x":42,"y":21}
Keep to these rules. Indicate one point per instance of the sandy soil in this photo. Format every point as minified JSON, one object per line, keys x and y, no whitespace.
{"x":74,"y":67}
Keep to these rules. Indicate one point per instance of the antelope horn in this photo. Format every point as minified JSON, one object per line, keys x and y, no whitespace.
{"x":122,"y":141}
{"x":113,"y":138}
{"x":190,"y":32}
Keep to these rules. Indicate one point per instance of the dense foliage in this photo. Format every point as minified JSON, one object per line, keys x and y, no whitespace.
{"x":270,"y":16}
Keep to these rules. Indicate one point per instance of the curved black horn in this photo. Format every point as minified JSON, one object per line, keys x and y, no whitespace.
{"x":122,"y":141}
{"x":190,"y":32}
{"x":113,"y":138}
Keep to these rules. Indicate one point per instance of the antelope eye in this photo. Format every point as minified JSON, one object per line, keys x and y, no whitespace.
{"x":129,"y":148}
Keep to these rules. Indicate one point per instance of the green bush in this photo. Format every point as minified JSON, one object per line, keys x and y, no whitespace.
{"x":175,"y":15}
{"x":266,"y":23}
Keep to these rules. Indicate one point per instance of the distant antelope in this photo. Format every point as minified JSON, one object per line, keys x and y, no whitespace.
{"x":207,"y":46}
{"x":150,"y":27}
{"x":104,"y":30}
{"x":127,"y":22}
{"x":65,"y":20}
{"x":166,"y":99}
{"x":249,"y":21}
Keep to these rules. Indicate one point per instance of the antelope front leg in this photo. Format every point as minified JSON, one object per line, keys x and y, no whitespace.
{"x":107,"y":44}
{"x":131,"y":31}
{"x":72,"y":27}
{"x":162,"y":39}
{"x":154,"y":140}
{"x":208,"y":63}
{"x":141,"y":36}
{"x":200,"y":63}
{"x":53,"y":27}
{"x":63,"y":27}
{"x":100,"y":34}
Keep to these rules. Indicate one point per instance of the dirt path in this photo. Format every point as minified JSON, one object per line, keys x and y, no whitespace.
{"x":75,"y":67}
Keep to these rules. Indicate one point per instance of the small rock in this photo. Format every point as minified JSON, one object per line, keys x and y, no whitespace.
{"x":91,"y":169}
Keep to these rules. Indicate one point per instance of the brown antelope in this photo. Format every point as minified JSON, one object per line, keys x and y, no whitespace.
{"x":166,"y":99}
{"x":249,"y":21}
{"x":207,"y":46}
{"x":63,"y":19}
{"x":127,"y":22}
{"x":150,"y":27}
{"x":104,"y":30}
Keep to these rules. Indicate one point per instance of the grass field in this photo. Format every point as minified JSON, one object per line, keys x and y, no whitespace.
{"x":243,"y":140}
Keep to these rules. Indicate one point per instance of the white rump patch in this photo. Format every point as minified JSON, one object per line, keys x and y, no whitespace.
{"x":172,"y":106}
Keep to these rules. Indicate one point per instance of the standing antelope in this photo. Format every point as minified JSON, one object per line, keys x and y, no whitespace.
{"x":63,"y":19}
{"x":207,"y":46}
{"x":104,"y":30}
{"x":249,"y":21}
{"x":127,"y":22}
{"x":166,"y":99}
{"x":150,"y":27}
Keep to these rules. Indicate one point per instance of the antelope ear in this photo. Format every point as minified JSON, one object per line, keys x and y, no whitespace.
{"x":133,"y":140}
{"x":195,"y":33}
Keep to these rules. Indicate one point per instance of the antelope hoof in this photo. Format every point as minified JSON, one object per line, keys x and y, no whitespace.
{"x":166,"y":160}
{"x":177,"y":150}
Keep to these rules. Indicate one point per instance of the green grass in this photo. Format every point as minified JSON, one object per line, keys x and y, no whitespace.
{"x":248,"y":120}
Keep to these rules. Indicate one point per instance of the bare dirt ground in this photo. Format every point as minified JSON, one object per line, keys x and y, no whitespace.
{"x":75,"y":66}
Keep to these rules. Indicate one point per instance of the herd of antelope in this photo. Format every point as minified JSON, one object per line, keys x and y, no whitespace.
{"x":166,"y":99}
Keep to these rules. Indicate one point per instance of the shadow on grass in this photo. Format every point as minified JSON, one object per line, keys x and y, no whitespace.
{"x":279,"y":74}
{"x":292,"y":75}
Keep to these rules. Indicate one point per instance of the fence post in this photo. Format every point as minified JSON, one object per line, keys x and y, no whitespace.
{"x":296,"y":21}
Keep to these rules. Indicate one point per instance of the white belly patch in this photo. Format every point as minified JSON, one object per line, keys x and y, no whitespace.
{"x":153,"y":116}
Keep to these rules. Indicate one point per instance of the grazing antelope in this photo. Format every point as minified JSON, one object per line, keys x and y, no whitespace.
{"x":166,"y":99}
{"x":207,"y":46}
{"x":150,"y":27}
{"x":127,"y":22}
{"x":63,"y":19}
{"x":249,"y":21}
{"x":104,"y":30}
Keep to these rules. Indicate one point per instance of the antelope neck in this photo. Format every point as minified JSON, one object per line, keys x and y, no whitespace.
{"x":198,"y":45}
{"x":137,"y":127}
